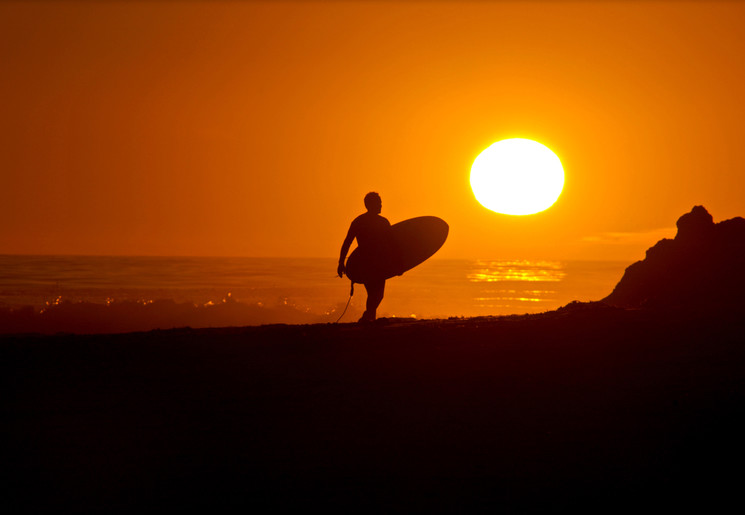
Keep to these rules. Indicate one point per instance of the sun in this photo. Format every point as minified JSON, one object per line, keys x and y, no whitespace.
{"x":517,"y":177}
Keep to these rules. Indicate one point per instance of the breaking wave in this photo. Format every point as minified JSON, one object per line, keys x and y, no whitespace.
{"x":129,"y":316}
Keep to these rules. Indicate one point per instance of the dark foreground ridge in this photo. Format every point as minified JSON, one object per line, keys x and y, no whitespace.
{"x":593,"y":407}
{"x":589,"y":407}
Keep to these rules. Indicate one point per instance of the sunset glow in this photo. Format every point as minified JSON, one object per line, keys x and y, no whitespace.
{"x":429,"y":255}
{"x":254,"y":128}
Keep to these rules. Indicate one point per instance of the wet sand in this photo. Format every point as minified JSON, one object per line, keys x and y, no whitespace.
{"x":586,"y":407}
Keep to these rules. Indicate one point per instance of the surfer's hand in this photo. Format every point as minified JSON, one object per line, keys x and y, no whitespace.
{"x":340,"y":269}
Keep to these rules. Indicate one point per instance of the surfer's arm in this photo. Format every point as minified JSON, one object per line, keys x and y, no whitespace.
{"x":344,"y":249}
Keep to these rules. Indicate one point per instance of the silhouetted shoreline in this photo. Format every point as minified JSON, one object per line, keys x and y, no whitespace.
{"x":166,"y":293}
{"x":590,"y":406}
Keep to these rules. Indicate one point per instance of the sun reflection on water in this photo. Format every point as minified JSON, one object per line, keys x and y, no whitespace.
{"x":518,"y":270}
{"x":514,"y":299}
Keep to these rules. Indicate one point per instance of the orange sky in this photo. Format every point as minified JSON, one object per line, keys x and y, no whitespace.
{"x":255,"y":129}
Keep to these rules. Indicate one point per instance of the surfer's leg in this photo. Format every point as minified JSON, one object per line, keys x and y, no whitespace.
{"x":375,"y":291}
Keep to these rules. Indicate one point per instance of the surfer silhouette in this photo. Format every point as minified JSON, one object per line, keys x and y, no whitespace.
{"x":373,"y":239}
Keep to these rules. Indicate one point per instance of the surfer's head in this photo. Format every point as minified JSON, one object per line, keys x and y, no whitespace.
{"x":373,"y":203}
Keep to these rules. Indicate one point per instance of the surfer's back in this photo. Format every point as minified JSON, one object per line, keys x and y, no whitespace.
{"x":371,"y":230}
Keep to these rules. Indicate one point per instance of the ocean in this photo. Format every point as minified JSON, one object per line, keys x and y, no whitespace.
{"x":94,"y":294}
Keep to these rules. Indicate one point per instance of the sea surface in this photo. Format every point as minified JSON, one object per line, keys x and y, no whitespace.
{"x":111,"y":294}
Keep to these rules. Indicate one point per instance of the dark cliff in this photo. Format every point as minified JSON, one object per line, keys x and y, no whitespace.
{"x":704,"y":265}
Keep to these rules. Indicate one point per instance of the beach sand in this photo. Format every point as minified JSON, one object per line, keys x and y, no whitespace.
{"x":588,"y":407}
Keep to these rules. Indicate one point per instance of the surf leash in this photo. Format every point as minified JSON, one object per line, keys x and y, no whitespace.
{"x":351,"y":293}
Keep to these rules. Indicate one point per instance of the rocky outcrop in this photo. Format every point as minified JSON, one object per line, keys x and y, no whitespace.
{"x":703,"y":266}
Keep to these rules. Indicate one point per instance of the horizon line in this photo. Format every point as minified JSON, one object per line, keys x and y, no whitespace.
{"x":207,"y":256}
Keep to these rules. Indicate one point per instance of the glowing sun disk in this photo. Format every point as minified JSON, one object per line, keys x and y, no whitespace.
{"x":517,"y":177}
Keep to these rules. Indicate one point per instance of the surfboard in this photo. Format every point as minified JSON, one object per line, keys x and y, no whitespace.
{"x":412,"y":242}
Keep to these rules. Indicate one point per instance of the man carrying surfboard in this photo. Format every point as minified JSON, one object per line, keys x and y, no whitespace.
{"x":385,"y":251}
{"x":373,"y":239}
